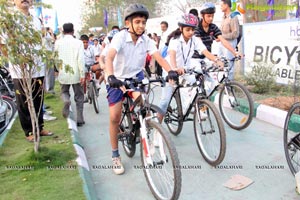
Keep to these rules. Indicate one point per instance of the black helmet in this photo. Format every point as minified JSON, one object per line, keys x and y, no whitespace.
{"x":208,"y":8}
{"x":136,"y":9}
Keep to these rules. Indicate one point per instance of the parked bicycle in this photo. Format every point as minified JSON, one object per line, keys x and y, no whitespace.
{"x":138,"y":124}
{"x":208,"y":126}
{"x":235,"y":101}
{"x":91,"y":88}
{"x":291,"y":138}
{"x":7,"y":93}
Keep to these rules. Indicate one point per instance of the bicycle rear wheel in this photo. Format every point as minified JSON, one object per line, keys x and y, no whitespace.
{"x":164,"y":175}
{"x":236,"y":105}
{"x":291,"y":138}
{"x":126,"y":129}
{"x":172,"y":117}
{"x":209,"y":132}
{"x":94,"y":96}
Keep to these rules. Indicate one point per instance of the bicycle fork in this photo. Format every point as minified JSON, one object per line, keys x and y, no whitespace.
{"x":149,"y":148}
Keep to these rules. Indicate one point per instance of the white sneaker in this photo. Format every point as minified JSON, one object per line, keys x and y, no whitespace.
{"x":47,"y":117}
{"x":48,"y":112}
{"x":117,"y":166}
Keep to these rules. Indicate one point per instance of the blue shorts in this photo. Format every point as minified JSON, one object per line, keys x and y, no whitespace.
{"x":115,"y":95}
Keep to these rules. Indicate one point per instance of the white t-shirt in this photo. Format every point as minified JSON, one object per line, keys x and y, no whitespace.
{"x":130,"y":58}
{"x":89,"y":57}
{"x":163,"y":39}
{"x":97,"y":50}
{"x":185,"y":50}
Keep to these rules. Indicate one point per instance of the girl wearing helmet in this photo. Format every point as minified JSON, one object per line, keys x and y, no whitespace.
{"x":180,"y":51}
{"x":124,"y":60}
{"x":208,"y":31}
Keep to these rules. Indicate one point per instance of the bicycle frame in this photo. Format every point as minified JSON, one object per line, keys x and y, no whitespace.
{"x":142,"y":113}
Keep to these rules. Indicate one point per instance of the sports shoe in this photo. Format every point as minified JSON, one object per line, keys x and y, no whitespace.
{"x":66,"y":109}
{"x":117,"y":166}
{"x":48,"y":112}
{"x":47,"y":117}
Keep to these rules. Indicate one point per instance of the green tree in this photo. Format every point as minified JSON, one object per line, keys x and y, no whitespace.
{"x":93,"y":13}
{"x":21,"y":40}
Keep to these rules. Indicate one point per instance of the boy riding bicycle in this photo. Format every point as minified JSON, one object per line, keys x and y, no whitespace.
{"x":125,"y":59}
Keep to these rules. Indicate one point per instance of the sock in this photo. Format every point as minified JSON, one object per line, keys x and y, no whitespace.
{"x":115,"y":153}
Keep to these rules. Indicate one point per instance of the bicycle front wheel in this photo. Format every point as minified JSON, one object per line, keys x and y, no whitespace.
{"x":163,"y":174}
{"x":236,"y":105}
{"x":291,"y":138}
{"x":209,"y":132}
{"x":172,"y":117}
{"x":94,"y":96}
{"x":127,"y":130}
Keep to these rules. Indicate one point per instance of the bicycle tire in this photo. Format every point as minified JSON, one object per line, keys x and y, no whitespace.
{"x":210,"y":123}
{"x":172,"y":117}
{"x":155,"y":173}
{"x":242,"y":102}
{"x":11,"y":107}
{"x":291,"y":138}
{"x":126,"y":126}
{"x":94,"y":96}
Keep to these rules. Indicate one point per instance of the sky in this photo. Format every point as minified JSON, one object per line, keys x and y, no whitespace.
{"x":67,"y":11}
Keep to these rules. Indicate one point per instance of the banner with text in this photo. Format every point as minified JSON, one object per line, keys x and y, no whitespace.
{"x":275,"y":43}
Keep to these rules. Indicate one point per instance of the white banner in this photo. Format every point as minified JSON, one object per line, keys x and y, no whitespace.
{"x":275,"y":43}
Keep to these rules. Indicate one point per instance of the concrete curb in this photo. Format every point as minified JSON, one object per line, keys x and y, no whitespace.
{"x":263,"y":112}
{"x":81,"y":160}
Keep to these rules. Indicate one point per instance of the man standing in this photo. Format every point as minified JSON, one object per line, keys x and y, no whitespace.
{"x":162,"y":41}
{"x":48,"y":41}
{"x":23,"y":6}
{"x":71,"y":73}
{"x":230,"y":31}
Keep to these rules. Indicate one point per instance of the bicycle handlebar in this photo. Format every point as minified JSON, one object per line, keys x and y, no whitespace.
{"x":134,"y":82}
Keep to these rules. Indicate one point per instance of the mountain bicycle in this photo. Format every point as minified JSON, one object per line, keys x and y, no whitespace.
{"x":208,"y":125}
{"x":291,"y":138}
{"x":92,"y":91}
{"x":235,"y":101}
{"x":137,"y":125}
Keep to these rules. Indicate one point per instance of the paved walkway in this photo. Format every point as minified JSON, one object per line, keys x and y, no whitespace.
{"x":253,"y":150}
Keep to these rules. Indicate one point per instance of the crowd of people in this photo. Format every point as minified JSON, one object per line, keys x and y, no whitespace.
{"x":123,"y":54}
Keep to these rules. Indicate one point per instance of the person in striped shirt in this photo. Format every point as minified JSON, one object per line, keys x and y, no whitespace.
{"x":208,"y":31}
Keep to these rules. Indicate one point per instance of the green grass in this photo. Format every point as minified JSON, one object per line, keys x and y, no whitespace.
{"x":54,"y":174}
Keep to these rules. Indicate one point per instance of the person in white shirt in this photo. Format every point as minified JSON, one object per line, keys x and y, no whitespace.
{"x":162,"y":41}
{"x":71,"y":72}
{"x":48,"y":41}
{"x":96,"y":48}
{"x":125,"y":59}
{"x":180,"y":51}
